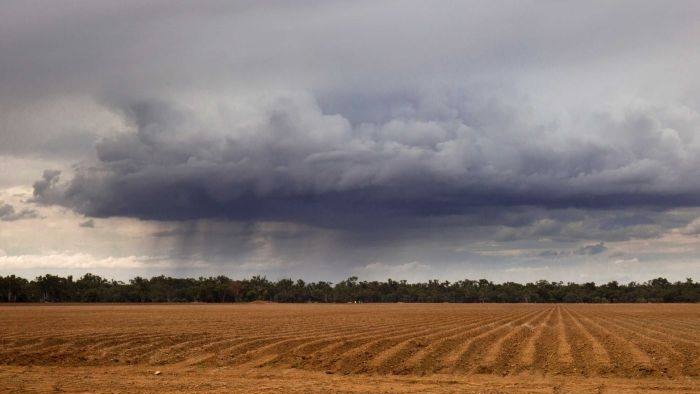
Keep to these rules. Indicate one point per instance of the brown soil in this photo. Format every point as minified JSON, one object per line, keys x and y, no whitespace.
{"x":487,"y":348}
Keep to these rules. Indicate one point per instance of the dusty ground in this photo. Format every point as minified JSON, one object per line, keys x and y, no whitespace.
{"x":350,"y":348}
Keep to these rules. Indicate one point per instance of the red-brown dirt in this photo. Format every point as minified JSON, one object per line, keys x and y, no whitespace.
{"x":350,"y":348}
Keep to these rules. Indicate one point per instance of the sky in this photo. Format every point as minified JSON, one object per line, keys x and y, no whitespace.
{"x":508,"y":140}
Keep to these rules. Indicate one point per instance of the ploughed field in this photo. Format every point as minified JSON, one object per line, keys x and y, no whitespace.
{"x":399,"y":345}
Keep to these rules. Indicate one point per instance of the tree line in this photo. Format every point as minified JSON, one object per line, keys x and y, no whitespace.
{"x":93,"y":288}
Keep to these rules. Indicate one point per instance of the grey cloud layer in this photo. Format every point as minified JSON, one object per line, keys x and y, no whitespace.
{"x":372,"y":133}
{"x":8,"y":213}
{"x":282,"y":158}
{"x":326,"y":112}
{"x":365,"y":46}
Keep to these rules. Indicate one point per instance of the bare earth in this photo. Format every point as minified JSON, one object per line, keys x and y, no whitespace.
{"x":465,"y":348}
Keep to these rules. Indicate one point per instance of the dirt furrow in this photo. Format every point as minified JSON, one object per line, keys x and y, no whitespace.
{"x":675,"y":356}
{"x":535,"y":352}
{"x":329,"y":355}
{"x":430,"y":358}
{"x":392,"y":359}
{"x":626,"y":358}
{"x":664,"y":358}
{"x":671,"y":329}
{"x":306,"y":351}
{"x":358,"y":359}
{"x":490,"y":353}
{"x":589,"y":355}
{"x":459,"y":359}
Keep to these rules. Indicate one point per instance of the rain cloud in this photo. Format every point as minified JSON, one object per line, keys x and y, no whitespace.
{"x":367,"y":137}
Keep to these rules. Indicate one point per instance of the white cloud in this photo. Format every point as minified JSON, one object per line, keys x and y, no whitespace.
{"x":627,"y":263}
{"x":692,"y":228}
{"x":528,"y":269}
{"x":413,"y":270}
{"x":78,"y":261}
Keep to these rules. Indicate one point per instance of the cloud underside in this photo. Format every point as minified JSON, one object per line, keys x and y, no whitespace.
{"x":321,"y":114}
{"x":336,"y":138}
{"x":8,"y":213}
{"x":284,"y":159}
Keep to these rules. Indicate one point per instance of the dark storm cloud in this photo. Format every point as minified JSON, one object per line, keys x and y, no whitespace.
{"x":43,"y":187}
{"x":292,"y":162}
{"x":515,"y":122}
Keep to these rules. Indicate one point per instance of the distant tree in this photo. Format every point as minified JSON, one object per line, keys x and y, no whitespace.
{"x":92,"y":288}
